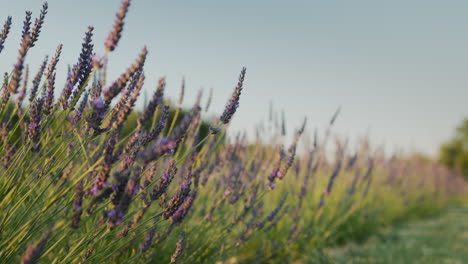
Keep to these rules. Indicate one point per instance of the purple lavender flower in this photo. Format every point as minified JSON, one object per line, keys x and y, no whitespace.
{"x":335,"y":173}
{"x":24,"y":87}
{"x":85,"y":62}
{"x":179,"y":248}
{"x":94,"y":120}
{"x":26,"y":25}
{"x":23,"y":50}
{"x":114,"y":89}
{"x":134,"y":92}
{"x":79,"y":111}
{"x":352,"y":160}
{"x":182,"y":92}
{"x":4,"y":33}
{"x":116,"y":215}
{"x":233,"y":103}
{"x":72,"y":79}
{"x":155,"y":101}
{"x":368,"y":177}
{"x":49,"y":94}
{"x":275,"y":211}
{"x":162,"y":147}
{"x":34,"y":252}
{"x":37,"y":80}
{"x":154,"y":133}
{"x":276,"y":173}
{"x":34,"y":128}
{"x":182,"y":211}
{"x":79,"y":73}
{"x":176,"y":201}
{"x":9,"y":152}
{"x":101,"y":179}
{"x":333,"y":119}
{"x":96,"y":89}
{"x":208,"y":102}
{"x":53,"y":63}
{"x":164,"y":181}
{"x":181,"y":129}
{"x":77,"y":203}
{"x":114,"y":36}
{"x":38,"y":25}
{"x":148,"y":241}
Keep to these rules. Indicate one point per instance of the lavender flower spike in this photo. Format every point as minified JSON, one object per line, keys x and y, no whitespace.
{"x":26,"y":25}
{"x":34,"y":129}
{"x":164,"y":181}
{"x":18,"y":67}
{"x":49,"y":95}
{"x":179,"y":248}
{"x":38,"y":25}
{"x":114,"y":89}
{"x":24,"y":87}
{"x":53,"y":63}
{"x":77,"y":204}
{"x":155,"y":101}
{"x":4,"y":33}
{"x":79,"y":72}
{"x":180,"y":214}
{"x":114,"y":36}
{"x":233,"y":103}
{"x":33,"y":253}
{"x":37,"y":80}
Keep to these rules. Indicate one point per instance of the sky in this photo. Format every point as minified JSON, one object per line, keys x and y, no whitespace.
{"x":398,"y":69}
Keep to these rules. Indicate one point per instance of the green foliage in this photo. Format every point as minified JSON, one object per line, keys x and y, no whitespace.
{"x":454,"y":153}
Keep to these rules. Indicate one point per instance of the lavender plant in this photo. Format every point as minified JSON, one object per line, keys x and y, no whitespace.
{"x":88,"y":178}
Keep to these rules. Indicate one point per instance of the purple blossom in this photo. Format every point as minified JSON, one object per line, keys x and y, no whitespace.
{"x":37,"y":80}
{"x":182,"y":211}
{"x":132,"y":188}
{"x":233,"y":102}
{"x":94,"y":119}
{"x":26,"y":25}
{"x":49,"y":95}
{"x":155,"y":101}
{"x":77,"y":203}
{"x":148,"y":241}
{"x":101,"y":179}
{"x":114,"y":36}
{"x":34,"y":128}
{"x":23,"y":50}
{"x":179,"y":248}
{"x":116,"y":87}
{"x":155,"y":132}
{"x":176,"y":201}
{"x":164,"y":181}
{"x":22,"y":93}
{"x":38,"y":25}
{"x":34,"y":252}
{"x":79,"y":111}
{"x":4,"y":33}
{"x":181,"y":129}
{"x":79,"y":73}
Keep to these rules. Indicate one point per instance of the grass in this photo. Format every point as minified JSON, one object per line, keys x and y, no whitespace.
{"x":439,"y":239}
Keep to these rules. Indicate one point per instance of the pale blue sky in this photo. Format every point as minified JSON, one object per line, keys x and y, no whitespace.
{"x":398,"y":69}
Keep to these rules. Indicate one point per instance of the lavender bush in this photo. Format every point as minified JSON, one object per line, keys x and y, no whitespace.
{"x":76,"y":187}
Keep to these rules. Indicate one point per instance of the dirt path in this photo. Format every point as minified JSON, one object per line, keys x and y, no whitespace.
{"x":443,"y":239}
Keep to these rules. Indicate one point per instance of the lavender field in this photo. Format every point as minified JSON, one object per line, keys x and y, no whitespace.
{"x":89,"y":176}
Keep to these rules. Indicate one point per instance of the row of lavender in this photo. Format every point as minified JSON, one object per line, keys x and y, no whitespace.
{"x":76,"y":188}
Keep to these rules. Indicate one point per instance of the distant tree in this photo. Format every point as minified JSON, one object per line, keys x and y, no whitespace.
{"x":454,"y":153}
